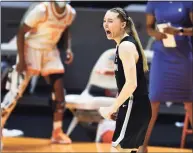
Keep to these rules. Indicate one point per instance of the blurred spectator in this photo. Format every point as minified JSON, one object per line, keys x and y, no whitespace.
{"x":171,"y":74}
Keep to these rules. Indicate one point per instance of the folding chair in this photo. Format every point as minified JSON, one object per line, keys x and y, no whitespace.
{"x":85,"y":106}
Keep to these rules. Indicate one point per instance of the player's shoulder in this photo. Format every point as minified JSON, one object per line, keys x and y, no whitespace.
{"x":126,"y":49}
{"x":41,"y":7}
{"x":127,"y":45}
{"x":71,"y":9}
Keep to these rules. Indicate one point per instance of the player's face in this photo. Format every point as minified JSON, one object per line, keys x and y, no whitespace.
{"x":113,"y":26}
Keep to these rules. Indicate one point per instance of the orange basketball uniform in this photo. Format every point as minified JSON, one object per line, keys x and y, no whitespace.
{"x":41,"y":53}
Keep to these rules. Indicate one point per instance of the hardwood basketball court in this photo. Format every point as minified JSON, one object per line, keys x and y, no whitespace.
{"x":22,"y":144}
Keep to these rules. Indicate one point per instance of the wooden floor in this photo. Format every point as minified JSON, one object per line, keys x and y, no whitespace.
{"x":43,"y":145}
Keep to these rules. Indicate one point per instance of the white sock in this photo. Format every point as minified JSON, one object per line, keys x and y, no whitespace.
{"x":57,"y":124}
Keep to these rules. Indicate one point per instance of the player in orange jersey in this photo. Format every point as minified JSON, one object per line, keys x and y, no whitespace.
{"x":37,"y":39}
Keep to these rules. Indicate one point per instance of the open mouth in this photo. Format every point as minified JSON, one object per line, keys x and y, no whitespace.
{"x":108,"y":32}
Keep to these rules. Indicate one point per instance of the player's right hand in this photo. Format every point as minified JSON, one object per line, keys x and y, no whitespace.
{"x":70,"y":56}
{"x":114,"y":116}
{"x":160,"y":36}
{"x":21,"y":67}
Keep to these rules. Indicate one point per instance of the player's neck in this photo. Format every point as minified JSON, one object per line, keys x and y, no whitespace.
{"x":58,"y":9}
{"x":118,"y":39}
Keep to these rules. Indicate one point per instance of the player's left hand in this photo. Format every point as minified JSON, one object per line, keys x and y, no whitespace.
{"x":108,"y":112}
{"x":70,"y":56}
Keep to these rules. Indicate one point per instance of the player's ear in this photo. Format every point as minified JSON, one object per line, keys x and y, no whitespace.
{"x":123,"y":25}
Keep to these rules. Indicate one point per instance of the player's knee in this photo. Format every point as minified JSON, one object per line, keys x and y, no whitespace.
{"x":60,"y":99}
{"x":58,"y":95}
{"x":55,"y":77}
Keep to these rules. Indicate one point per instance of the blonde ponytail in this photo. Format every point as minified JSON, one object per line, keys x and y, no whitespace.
{"x":134,"y":33}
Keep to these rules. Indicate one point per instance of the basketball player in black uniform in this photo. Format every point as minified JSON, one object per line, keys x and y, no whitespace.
{"x":132,"y":104}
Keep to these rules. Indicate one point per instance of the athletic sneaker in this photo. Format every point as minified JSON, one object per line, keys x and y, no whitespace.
{"x":12,"y":133}
{"x":58,"y":136}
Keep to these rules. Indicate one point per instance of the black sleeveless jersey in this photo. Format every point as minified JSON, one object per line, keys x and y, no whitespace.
{"x":142,"y":88}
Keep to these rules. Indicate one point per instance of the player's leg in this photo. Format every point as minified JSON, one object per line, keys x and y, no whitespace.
{"x":58,"y":106}
{"x":55,"y":70}
{"x":155,"y":110}
{"x":188,"y":107}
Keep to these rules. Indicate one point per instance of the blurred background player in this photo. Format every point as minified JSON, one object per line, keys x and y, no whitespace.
{"x":37,"y":40}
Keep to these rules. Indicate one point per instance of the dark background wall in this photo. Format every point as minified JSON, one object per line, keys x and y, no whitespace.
{"x":89,"y":39}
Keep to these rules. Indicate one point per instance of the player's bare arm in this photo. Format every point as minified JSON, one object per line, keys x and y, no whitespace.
{"x":31,"y":20}
{"x":68,"y":39}
{"x":23,"y":29}
{"x":129,"y":56}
